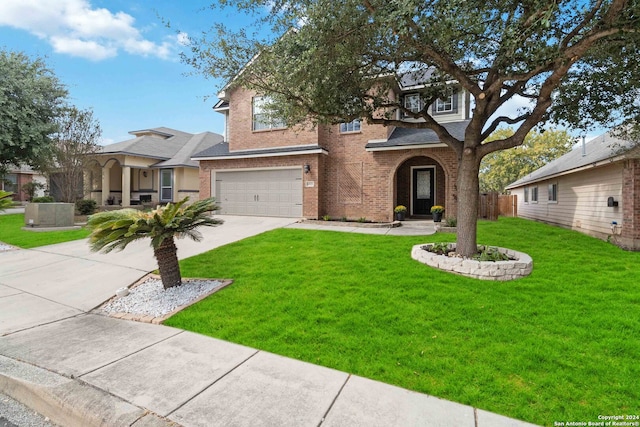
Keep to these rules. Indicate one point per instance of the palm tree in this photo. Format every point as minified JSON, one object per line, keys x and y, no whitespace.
{"x":5,"y":200}
{"x":116,"y":229}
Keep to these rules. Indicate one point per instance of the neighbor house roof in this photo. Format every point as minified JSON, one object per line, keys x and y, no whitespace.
{"x":603,"y":148}
{"x":414,"y":138}
{"x":172,"y":148}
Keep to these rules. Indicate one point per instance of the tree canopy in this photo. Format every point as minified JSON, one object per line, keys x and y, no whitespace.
{"x":31,"y":97}
{"x":331,"y":62}
{"x":501,"y":168}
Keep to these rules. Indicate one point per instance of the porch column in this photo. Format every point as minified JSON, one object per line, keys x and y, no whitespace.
{"x":126,"y":185}
{"x":106,"y":183}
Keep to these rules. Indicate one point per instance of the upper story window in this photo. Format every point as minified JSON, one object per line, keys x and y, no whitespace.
{"x":353,"y":126}
{"x":261,"y":117}
{"x":445,"y":105}
{"x":414,"y":103}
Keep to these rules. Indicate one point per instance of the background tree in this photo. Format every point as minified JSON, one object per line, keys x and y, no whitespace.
{"x":31,"y":98}
{"x":74,"y":146}
{"x":501,"y":168}
{"x":336,"y":65}
{"x":116,"y":229}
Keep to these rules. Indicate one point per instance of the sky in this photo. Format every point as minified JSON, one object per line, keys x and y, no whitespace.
{"x":118,"y":58}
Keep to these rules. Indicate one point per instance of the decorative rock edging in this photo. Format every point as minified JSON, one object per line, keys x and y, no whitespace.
{"x":445,"y":229}
{"x":157,"y":320}
{"x":521,"y":266}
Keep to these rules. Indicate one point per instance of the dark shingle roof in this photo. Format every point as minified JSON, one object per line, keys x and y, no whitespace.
{"x":410,"y":136}
{"x":598,"y":149}
{"x":222,"y":150}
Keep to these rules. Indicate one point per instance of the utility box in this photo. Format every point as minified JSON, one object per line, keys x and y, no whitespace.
{"x":49,"y":214}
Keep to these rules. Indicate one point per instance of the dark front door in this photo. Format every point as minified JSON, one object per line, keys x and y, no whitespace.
{"x":423,"y":194}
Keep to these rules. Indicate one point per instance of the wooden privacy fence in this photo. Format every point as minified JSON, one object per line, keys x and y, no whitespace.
{"x":508,"y":205}
{"x":488,"y":206}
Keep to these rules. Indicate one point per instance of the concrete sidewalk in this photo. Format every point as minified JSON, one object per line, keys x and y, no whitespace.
{"x":80,"y":368}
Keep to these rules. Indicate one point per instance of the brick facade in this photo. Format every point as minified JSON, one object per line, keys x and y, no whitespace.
{"x":630,"y":236}
{"x":349,"y":182}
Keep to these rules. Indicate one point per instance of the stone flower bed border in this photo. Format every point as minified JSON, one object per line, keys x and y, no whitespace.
{"x":521,"y":266}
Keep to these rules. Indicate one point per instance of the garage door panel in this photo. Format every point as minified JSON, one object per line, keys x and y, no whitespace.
{"x":263,"y":192}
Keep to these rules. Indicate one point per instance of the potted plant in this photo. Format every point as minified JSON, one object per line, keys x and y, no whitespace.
{"x":110,"y":200}
{"x":400,"y":211}
{"x":437,"y":212}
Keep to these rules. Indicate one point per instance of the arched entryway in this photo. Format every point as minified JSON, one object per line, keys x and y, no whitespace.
{"x":420,"y":184}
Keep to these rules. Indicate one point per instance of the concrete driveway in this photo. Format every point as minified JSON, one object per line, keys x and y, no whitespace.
{"x":50,"y":283}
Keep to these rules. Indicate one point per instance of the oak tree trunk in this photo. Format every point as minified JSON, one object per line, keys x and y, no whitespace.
{"x":468,"y":199}
{"x":167,"y":256}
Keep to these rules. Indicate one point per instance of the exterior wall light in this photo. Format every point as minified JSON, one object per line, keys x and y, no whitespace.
{"x":307,"y":168}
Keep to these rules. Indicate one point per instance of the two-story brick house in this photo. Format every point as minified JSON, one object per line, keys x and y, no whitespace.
{"x":353,"y":170}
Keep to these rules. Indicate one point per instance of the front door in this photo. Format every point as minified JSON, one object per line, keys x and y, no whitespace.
{"x":423,"y":191}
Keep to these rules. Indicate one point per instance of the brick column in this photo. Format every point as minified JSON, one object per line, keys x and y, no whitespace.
{"x":630,"y":235}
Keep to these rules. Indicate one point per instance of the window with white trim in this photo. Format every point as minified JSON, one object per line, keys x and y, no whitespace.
{"x":413,"y":103}
{"x":262,"y":120}
{"x":445,"y":105}
{"x":534,"y":194}
{"x":553,"y":193}
{"x":352,"y":126}
{"x":526,"y":194}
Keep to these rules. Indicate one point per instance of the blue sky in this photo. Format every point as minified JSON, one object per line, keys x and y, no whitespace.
{"x":118,"y":58}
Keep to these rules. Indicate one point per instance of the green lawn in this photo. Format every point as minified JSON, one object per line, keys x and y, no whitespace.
{"x":560,"y":345}
{"x":11,"y":232}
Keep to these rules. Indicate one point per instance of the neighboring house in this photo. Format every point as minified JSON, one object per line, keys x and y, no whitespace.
{"x":594,"y":189}
{"x":153,"y":167}
{"x":352,"y":170}
{"x":18,"y":176}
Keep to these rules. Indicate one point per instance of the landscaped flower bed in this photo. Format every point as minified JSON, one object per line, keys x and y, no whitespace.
{"x":518,"y":265}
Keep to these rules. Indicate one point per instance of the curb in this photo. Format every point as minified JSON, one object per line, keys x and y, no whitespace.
{"x":71,"y":402}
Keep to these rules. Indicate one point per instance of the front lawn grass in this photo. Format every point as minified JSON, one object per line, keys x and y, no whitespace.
{"x":11,"y":232}
{"x":560,"y":345}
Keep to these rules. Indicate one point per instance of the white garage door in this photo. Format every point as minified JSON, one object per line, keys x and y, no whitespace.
{"x":262,"y":193}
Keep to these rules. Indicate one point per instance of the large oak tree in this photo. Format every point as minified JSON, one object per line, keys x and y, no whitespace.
{"x":333,"y":61}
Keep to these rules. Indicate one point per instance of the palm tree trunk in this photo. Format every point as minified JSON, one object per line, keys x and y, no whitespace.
{"x":167,"y":256}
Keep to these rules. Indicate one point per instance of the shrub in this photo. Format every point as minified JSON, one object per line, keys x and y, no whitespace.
{"x":32,"y":187}
{"x":86,"y":207}
{"x":43,"y":199}
{"x":451,"y":222}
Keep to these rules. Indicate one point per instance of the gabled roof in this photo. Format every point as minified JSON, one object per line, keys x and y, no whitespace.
{"x":408,"y":137}
{"x":602,"y":148}
{"x":173,"y":148}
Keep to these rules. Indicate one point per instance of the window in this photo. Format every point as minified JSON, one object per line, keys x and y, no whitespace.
{"x":526,"y":194}
{"x":413,"y":103}
{"x":353,"y":126}
{"x":446,"y":105}
{"x":10,"y":183}
{"x":261,"y":117}
{"x":553,"y":192}
{"x":534,"y":194}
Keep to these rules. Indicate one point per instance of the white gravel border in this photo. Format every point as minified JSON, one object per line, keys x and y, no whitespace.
{"x":149,"y":298}
{"x":4,"y":247}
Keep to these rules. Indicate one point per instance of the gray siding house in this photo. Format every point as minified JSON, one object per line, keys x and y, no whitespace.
{"x":594,"y":189}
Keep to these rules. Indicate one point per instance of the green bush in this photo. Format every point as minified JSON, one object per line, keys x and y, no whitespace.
{"x":86,"y":207}
{"x":43,"y":199}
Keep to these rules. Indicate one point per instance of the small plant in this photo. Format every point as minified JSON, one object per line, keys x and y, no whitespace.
{"x":440,"y":248}
{"x":451,"y":221}
{"x":6,"y":201}
{"x":43,"y":199}
{"x":86,"y":207}
{"x":490,"y":253}
{"x":326,"y":218}
{"x":400,"y":208}
{"x":111,"y":200}
{"x":343,"y":219}
{"x":437,"y":209}
{"x":362,"y":219}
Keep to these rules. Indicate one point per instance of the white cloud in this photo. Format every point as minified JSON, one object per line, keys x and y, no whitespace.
{"x":76,"y":28}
